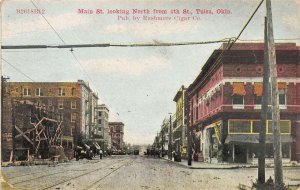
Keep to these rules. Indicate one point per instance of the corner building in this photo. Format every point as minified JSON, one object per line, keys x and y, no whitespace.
{"x":72,"y":102}
{"x":224,"y":104}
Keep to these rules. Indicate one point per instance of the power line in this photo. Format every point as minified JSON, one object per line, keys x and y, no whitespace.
{"x":231,"y":41}
{"x":278,"y":39}
{"x":48,"y":23}
{"x":156,"y":44}
{"x":18,"y":70}
{"x":77,"y":60}
{"x":64,"y":46}
{"x":239,"y":35}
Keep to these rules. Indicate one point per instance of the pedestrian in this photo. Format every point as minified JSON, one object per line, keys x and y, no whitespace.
{"x":101,"y":153}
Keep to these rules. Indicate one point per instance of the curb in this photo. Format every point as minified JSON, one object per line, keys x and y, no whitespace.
{"x":224,"y":166}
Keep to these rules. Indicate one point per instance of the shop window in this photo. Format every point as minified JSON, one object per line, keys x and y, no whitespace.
{"x":285,"y":126}
{"x":239,"y":126}
{"x":255,"y":126}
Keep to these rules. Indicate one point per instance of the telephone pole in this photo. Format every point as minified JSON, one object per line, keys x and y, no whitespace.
{"x":274,"y":100}
{"x":264,"y":113}
{"x":170,"y":138}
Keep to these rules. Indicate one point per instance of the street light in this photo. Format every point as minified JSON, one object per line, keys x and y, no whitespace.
{"x":170,"y":138}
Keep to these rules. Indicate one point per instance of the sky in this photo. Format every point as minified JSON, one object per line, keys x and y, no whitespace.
{"x":138,"y":84}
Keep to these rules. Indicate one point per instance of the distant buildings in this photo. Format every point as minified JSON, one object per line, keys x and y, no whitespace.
{"x":180,"y":130}
{"x":102,"y":124}
{"x":117,"y":134}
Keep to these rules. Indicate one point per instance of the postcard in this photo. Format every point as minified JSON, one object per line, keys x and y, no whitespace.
{"x":145,"y":94}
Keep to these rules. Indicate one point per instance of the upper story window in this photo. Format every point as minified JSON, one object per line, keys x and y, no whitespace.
{"x":99,"y":113}
{"x":282,"y":97}
{"x":282,"y":86}
{"x":72,"y":130}
{"x":39,"y":92}
{"x":26,"y":92}
{"x":73,"y":117}
{"x":73,"y":92}
{"x":61,"y":91}
{"x":99,"y":121}
{"x":73,"y":104}
{"x":258,"y":89}
{"x":238,"y":99}
{"x":238,"y":95}
{"x":60,"y":117}
{"x":60,"y":104}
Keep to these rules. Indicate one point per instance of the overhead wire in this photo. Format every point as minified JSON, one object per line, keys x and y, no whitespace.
{"x":18,"y":70}
{"x":77,"y":60}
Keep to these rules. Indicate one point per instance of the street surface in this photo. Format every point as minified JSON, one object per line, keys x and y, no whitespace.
{"x":131,"y":172}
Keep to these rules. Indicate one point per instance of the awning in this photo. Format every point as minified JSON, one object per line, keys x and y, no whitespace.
{"x":258,"y":88}
{"x":239,"y":89}
{"x":254,"y":138}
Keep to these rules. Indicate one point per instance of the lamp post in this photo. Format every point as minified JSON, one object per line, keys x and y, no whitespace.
{"x":170,"y":138}
{"x":162,"y":143}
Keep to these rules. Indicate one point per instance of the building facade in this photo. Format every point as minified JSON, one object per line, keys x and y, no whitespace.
{"x":117,"y":135}
{"x":180,"y":130}
{"x":224,"y":103}
{"x":72,"y":102}
{"x":103,"y":130}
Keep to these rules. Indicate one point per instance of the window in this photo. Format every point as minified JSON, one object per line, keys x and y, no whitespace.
{"x":73,"y":104}
{"x":73,"y":117}
{"x":60,"y":104}
{"x":73,"y":92}
{"x":282,"y":97}
{"x":238,"y":101}
{"x":239,"y":126}
{"x":39,"y":92}
{"x":61,"y":92}
{"x":99,"y":121}
{"x":26,"y":92}
{"x":255,"y":126}
{"x":257,"y":102}
{"x":60,"y":117}
{"x":99,"y":113}
{"x":49,"y":102}
{"x":285,"y":126}
{"x":72,"y":130}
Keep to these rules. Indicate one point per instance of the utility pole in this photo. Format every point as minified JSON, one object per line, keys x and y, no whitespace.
{"x":264,"y":113}
{"x":1,"y":80}
{"x":274,"y":100}
{"x":162,"y":142}
{"x":170,"y":138}
{"x":189,"y":136}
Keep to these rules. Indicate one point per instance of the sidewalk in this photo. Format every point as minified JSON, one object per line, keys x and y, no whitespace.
{"x":225,"y":165}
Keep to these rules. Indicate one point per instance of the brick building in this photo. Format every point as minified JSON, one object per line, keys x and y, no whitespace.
{"x":179,"y":132}
{"x":102,"y":113}
{"x":117,"y":135}
{"x":224,"y":103}
{"x":72,"y":102}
